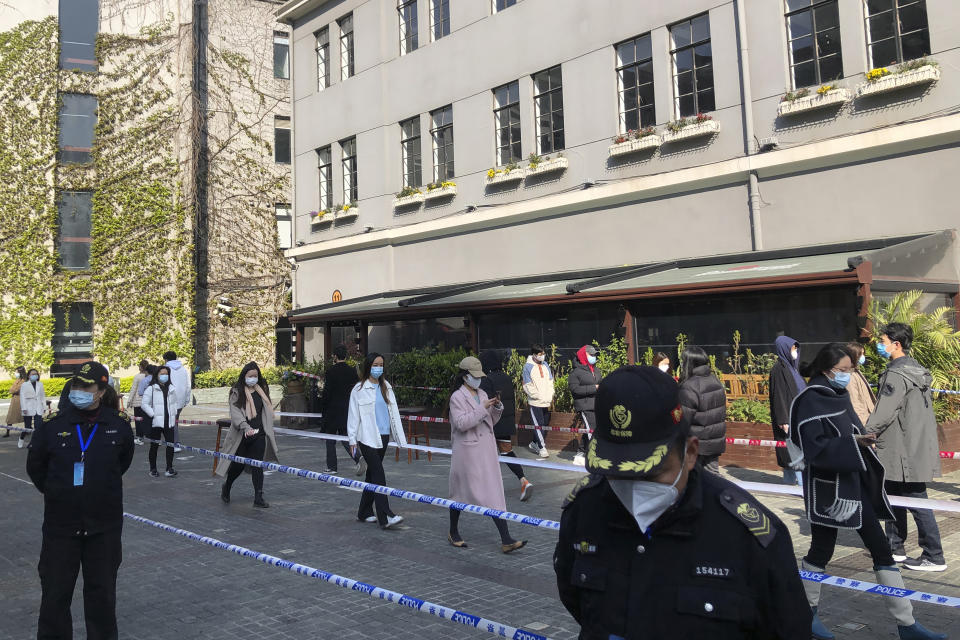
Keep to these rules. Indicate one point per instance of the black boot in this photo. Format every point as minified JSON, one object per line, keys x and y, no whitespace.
{"x":258,"y":500}
{"x":225,"y":493}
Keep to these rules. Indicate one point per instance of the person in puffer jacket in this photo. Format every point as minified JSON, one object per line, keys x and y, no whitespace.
{"x":538,"y":386}
{"x":704,"y":400}
{"x":584,"y":381}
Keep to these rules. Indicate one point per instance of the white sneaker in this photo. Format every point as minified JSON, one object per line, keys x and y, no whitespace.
{"x":924,"y":565}
{"x":370,"y":519}
{"x":544,"y":453}
{"x":533,"y":446}
{"x":20,"y":443}
{"x":580,"y":460}
{"x":526,"y":488}
{"x":899,"y":557}
{"x":392,"y":521}
{"x":138,"y":441}
{"x":177,"y":449}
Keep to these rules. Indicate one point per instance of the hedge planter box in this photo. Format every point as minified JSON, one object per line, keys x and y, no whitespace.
{"x":831,"y":98}
{"x":634,"y":146}
{"x":548,"y":166}
{"x":505,"y":178}
{"x":413,"y":200}
{"x":695,"y":130}
{"x":895,"y":81}
{"x":442,"y":192}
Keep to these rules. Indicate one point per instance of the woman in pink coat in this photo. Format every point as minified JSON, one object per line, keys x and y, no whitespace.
{"x":474,"y":468}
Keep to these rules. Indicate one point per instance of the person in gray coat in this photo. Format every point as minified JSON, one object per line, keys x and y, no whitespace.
{"x":906,"y":431}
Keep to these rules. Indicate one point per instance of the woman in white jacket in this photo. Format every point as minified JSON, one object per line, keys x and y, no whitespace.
{"x":373,"y":417}
{"x":160,"y":403}
{"x":32,"y":403}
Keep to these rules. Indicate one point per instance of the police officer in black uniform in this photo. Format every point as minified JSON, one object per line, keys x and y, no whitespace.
{"x":77,"y":459}
{"x":651,"y":546}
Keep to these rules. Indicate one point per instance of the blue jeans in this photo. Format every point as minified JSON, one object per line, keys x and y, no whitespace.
{"x":793,"y":477}
{"x":928,"y":533}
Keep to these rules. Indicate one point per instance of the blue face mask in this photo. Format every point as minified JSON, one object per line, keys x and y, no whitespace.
{"x":862,"y":360}
{"x":882,"y":350}
{"x":592,"y":359}
{"x":163,"y":378}
{"x":376,"y":372}
{"x":840,"y":379}
{"x":80,"y":399}
{"x":34,"y":377}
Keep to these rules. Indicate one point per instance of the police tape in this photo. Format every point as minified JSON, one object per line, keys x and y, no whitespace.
{"x":375,"y":488}
{"x":752,"y":442}
{"x":880,"y":589}
{"x":400,"y":599}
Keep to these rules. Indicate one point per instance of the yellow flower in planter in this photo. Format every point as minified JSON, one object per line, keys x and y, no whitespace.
{"x":875,"y":74}
{"x":492,"y":173}
{"x":825,"y":89}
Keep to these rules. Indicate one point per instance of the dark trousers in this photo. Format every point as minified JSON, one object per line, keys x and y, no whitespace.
{"x":176,"y":427}
{"x":587,"y":420}
{"x":142,"y":423}
{"x":337,"y":430}
{"x":928,"y":533}
{"x":375,"y":475}
{"x":31,"y":422}
{"x":505,"y":448}
{"x":61,"y":558}
{"x":824,"y":539}
{"x":155,"y":434}
{"x":253,"y":448}
{"x":541,"y":418}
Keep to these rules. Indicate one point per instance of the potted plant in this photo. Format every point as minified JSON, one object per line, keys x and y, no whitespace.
{"x":509,"y":173}
{"x":695,"y":127}
{"x":634,"y":140}
{"x":347,"y":211}
{"x":320,"y":218}
{"x":909,"y":74}
{"x":803,"y":100}
{"x":444,"y":189}
{"x":408,"y":196}
{"x":539,"y":165}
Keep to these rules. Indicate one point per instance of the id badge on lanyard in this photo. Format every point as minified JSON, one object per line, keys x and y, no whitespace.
{"x":78,"y":466}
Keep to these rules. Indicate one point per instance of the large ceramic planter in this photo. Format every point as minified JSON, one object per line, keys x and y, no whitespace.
{"x":895,"y":81}
{"x":553,"y":165}
{"x":442,"y":192}
{"x":506,"y":178}
{"x":634,"y":146}
{"x":695,"y":130}
{"x":414,"y":200}
{"x":832,"y":98}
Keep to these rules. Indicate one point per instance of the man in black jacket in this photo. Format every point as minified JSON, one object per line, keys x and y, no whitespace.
{"x":338,"y":382}
{"x":583,"y":382}
{"x":77,"y":459}
{"x":498,"y":383}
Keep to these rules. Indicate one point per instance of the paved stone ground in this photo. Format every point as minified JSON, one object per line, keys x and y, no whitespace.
{"x":170,"y":587}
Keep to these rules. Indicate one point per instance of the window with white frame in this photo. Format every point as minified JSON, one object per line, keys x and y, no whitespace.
{"x":500,"y":5}
{"x":323,"y":58}
{"x":548,"y":109}
{"x":281,"y":139}
{"x":346,"y":46}
{"x":813,"y":36}
{"x":348,"y":159}
{"x":410,"y":148}
{"x":897,"y":31}
{"x":284,"y":224}
{"x":408,"y":25}
{"x":281,"y":55}
{"x":439,"y":18}
{"x":506,"y":117}
{"x":325,"y":175}
{"x":692,"y":66}
{"x":635,"y":84}
{"x":441,"y":132}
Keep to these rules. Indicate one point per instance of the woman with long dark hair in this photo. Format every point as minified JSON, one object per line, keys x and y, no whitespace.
{"x":862,"y":398}
{"x":704,"y":401}
{"x":159,"y":403}
{"x":251,"y":432}
{"x":842,"y":484}
{"x":474,"y":466}
{"x":372,"y":418}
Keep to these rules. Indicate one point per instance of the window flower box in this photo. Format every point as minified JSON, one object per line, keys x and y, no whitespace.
{"x":414,"y":199}
{"x":504,"y":176}
{"x":347,"y":213}
{"x":812,"y":102}
{"x":548,"y":166}
{"x":698,"y":128}
{"x":320,"y":219}
{"x":887,"y":82}
{"x":444,"y":190}
{"x":634,"y":145}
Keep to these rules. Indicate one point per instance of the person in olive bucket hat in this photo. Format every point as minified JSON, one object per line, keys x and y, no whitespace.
{"x":653,"y":547}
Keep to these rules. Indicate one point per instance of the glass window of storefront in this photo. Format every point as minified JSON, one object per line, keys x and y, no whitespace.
{"x":404,"y":335}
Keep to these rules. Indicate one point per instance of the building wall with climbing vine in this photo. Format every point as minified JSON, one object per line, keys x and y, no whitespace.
{"x":141,"y":277}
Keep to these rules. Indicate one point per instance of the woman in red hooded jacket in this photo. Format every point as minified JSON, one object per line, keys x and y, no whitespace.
{"x":584,"y":381}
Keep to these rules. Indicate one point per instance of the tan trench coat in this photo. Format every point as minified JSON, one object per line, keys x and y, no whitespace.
{"x":14,"y":415}
{"x":238,"y":425}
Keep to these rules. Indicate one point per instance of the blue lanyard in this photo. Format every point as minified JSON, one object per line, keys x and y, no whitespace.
{"x":85,"y":445}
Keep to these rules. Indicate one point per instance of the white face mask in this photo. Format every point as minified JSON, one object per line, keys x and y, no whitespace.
{"x":473,"y":383}
{"x":538,"y":358}
{"x":665,"y":367}
{"x":794,"y":354}
{"x":252,"y":381}
{"x":645,"y":499}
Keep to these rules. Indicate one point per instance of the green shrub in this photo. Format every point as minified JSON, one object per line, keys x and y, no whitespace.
{"x":53,"y":386}
{"x":746,"y":410}
{"x":426,"y":367}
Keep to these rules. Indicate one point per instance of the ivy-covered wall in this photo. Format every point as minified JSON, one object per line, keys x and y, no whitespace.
{"x":141,"y":277}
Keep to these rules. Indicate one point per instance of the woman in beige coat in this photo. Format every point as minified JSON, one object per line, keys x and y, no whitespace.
{"x":861,"y":395}
{"x":251,"y":432}
{"x":14,"y":416}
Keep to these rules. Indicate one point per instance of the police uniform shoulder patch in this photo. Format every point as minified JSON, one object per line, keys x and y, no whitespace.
{"x":50,"y":416}
{"x":750,"y":514}
{"x":123,"y":416}
{"x":585,"y":482}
